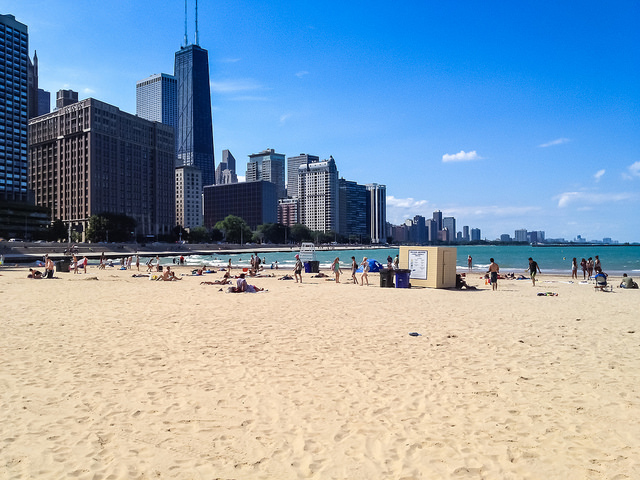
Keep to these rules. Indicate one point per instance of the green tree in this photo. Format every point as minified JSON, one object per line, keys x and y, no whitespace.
{"x":235,"y":229}
{"x":272,"y":232}
{"x":300,"y":233}
{"x":110,"y":227}
{"x":199,"y":235}
{"x":57,"y":231}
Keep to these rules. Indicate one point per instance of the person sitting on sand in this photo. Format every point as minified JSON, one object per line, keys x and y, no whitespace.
{"x":286,"y":277}
{"x":627,"y":282}
{"x":35,"y":274}
{"x":168,"y":275}
{"x":243,"y":286}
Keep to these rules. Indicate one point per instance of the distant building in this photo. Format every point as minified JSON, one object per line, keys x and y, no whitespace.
{"x":432,"y":231}
{"x":450,"y":224}
{"x":352,"y":209}
{"x":505,"y":237}
{"x":520,"y":235}
{"x":377,"y":212}
{"x":475,"y":234}
{"x":32,"y":85}
{"x":157,"y":99}
{"x":437,"y":217}
{"x":268,"y":166}
{"x":419,"y":230}
{"x":226,"y":169}
{"x":255,"y":202}
{"x":288,"y":211}
{"x":188,"y":197}
{"x":91,"y":158}
{"x":195,"y":123}
{"x":14,"y":110}
{"x":44,"y":102}
{"x":465,"y":233}
{"x":318,"y":195}
{"x":65,"y":98}
{"x":293,"y":165}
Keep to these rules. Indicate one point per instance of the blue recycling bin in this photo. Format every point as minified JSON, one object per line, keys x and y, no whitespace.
{"x":307,"y":267}
{"x":403,"y":278}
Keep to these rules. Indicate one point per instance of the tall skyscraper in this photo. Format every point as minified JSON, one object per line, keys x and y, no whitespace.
{"x":449,"y":223}
{"x":14,"y":109}
{"x":377,"y":212}
{"x":157,"y":99}
{"x":195,"y":124}
{"x":226,"y":169}
{"x":293,"y":165}
{"x":465,"y":233}
{"x":91,"y":158}
{"x":318,"y":195}
{"x":269,"y":166}
{"x":475,"y":234}
{"x":188,"y":197}
{"x":437,"y":217}
{"x":352,"y":200}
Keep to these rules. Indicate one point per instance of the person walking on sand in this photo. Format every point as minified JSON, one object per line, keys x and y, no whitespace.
{"x":297,"y":269}
{"x":533,"y":269}
{"x":574,"y":268}
{"x":469,"y":262}
{"x":365,"y":270}
{"x":354,"y":267}
{"x":138,"y":262}
{"x":335,"y":268}
{"x":494,"y":269}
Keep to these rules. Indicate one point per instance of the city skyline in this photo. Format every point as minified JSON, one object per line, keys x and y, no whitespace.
{"x":503,"y":117}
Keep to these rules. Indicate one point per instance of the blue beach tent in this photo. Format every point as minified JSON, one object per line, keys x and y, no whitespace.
{"x":374,"y":266}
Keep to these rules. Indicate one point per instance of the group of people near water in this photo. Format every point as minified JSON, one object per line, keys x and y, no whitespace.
{"x":336,"y":270}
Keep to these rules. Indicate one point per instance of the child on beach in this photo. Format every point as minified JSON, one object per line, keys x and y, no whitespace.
{"x":365,"y":270}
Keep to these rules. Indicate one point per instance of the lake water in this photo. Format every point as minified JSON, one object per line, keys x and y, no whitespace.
{"x":556,"y":259}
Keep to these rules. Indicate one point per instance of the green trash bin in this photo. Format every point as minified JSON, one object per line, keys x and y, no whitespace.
{"x":386,"y":277}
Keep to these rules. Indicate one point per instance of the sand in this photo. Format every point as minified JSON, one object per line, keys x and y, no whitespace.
{"x":105,"y":376}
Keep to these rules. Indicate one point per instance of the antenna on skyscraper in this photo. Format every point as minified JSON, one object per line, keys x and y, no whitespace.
{"x":197,"y":42}
{"x":186,"y":38}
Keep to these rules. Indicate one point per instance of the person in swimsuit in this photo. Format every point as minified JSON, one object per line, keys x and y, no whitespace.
{"x":533,"y":269}
{"x":365,"y":270}
{"x":574,"y":268}
{"x":354,"y":267}
{"x":335,"y":268}
{"x":494,"y":269}
{"x":297,"y":269}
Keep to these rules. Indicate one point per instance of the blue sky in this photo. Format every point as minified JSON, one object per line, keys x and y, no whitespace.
{"x":506,"y":115}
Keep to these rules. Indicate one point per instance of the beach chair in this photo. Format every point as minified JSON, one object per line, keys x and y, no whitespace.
{"x":601,"y":283}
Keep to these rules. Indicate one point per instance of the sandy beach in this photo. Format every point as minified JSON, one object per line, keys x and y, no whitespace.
{"x":106,"y":376}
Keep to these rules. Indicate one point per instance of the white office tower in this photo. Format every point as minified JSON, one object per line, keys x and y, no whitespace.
{"x":318,"y":195}
{"x":377,"y":212}
{"x":188,"y":197}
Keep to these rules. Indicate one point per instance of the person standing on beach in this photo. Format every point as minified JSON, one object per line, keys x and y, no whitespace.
{"x":533,"y":269}
{"x":597,"y":265}
{"x":583,"y":265}
{"x":365,"y":270}
{"x":493,"y":272}
{"x":354,"y":267}
{"x":335,"y":268}
{"x":590,"y":266}
{"x":469,"y":262}
{"x":574,"y":268}
{"x":157,"y":263}
{"x":297,"y":269}
{"x":138,"y":262}
{"x":48,"y":267}
{"x":396,"y":262}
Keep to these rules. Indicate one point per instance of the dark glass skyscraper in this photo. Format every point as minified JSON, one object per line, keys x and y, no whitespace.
{"x":195,"y":125}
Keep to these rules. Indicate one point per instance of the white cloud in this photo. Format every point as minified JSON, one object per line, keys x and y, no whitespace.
{"x":302,"y":73}
{"x":461,"y":156}
{"x":634,"y":169}
{"x":285,"y":117}
{"x":405,"y":202}
{"x":586,"y":199}
{"x":88,"y":91}
{"x":235,"y":86}
{"x":558,"y":141}
{"x":230,"y":60}
{"x":599,"y":175}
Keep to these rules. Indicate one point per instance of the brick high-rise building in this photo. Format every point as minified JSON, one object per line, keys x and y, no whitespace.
{"x":90,"y":158}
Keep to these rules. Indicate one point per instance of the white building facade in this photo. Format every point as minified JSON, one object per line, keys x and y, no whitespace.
{"x":318,"y":195}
